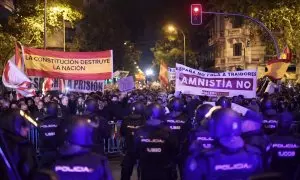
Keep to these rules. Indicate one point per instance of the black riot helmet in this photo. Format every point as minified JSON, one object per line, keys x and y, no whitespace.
{"x":13,"y":121}
{"x":266,"y":104}
{"x":176,"y":104}
{"x":227,"y":123}
{"x":155,"y":111}
{"x":137,"y":108}
{"x":201,"y":111}
{"x":224,"y":102}
{"x":52,"y":109}
{"x":91,"y":105}
{"x":285,"y":121}
{"x":81,"y":130}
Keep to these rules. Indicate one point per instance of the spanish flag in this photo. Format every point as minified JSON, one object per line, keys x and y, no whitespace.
{"x":163,"y":74}
{"x":278,"y":67}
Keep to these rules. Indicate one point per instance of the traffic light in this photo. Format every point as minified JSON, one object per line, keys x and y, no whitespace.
{"x":196,"y":14}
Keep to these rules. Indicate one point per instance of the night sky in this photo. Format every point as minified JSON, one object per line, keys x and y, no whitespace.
{"x":146,"y":19}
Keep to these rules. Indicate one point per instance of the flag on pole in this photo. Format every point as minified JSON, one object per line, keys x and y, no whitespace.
{"x":47,"y":85}
{"x":163,"y":74}
{"x":278,"y":67}
{"x":14,"y":78}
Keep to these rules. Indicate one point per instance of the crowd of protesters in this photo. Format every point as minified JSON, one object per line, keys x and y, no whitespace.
{"x":269,"y":116}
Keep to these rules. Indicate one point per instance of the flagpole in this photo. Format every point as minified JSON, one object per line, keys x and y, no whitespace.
{"x":45,"y":24}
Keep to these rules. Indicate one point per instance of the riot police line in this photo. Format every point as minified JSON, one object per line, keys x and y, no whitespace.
{"x":175,"y":137}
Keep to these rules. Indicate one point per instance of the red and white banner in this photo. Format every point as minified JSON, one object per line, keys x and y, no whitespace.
{"x":234,"y":83}
{"x":69,"y":65}
{"x":14,"y":78}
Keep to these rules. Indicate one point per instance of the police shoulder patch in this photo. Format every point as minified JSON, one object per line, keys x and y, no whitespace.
{"x":252,"y":149}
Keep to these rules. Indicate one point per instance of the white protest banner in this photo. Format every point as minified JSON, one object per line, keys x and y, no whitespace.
{"x":234,"y":83}
{"x":238,"y":108}
{"x":84,"y":86}
{"x":126,"y":84}
{"x":172,"y":74}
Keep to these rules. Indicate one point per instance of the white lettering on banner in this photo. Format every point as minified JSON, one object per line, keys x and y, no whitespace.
{"x":80,"y":169}
{"x":285,"y":146}
{"x":153,"y":140}
{"x":195,"y":82}
{"x":228,"y":167}
{"x":154,"y":150}
{"x":84,"y":86}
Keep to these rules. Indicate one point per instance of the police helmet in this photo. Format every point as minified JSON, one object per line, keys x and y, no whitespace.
{"x":227,"y":123}
{"x":137,"y":108}
{"x":266,"y":104}
{"x":176,"y":105}
{"x":12,"y":121}
{"x":91,"y":105}
{"x":52,"y":109}
{"x":201,"y":111}
{"x":155,"y":111}
{"x":285,"y":120}
{"x":81,"y":130}
{"x":224,"y":102}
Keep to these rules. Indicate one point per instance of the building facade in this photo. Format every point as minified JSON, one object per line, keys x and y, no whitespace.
{"x":233,"y":46}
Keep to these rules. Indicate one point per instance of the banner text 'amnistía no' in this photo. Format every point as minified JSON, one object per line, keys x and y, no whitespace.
{"x":192,"y":81}
{"x":69,"y":65}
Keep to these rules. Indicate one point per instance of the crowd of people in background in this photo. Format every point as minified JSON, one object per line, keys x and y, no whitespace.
{"x":164,"y":132}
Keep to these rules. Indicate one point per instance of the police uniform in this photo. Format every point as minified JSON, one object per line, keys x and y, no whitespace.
{"x":128,"y":129}
{"x":270,"y":121}
{"x":285,"y":149}
{"x":220,"y":163}
{"x":77,"y":161}
{"x":155,"y":148}
{"x":231,"y":158}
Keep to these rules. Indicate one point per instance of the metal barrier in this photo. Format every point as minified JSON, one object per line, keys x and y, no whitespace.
{"x":112,"y":145}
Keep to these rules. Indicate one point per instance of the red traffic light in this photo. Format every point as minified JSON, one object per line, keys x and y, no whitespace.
{"x":196,"y":9}
{"x":196,"y":14}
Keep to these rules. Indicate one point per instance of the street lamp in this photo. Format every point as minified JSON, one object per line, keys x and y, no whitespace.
{"x":172,"y":28}
{"x":149,"y":72}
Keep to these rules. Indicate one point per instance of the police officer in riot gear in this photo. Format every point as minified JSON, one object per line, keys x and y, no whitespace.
{"x":224,"y":102}
{"x":285,"y":148}
{"x":253,"y":134}
{"x":129,"y":126}
{"x":77,"y":160}
{"x":270,"y":118}
{"x":155,"y":148}
{"x":15,"y":131}
{"x":179,"y":125}
{"x":91,"y":110}
{"x":48,"y":139}
{"x":200,"y":138}
{"x":231,"y":158}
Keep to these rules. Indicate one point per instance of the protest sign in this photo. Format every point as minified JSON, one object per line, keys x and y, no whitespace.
{"x":126,"y":84}
{"x":69,"y":65}
{"x":234,"y":83}
{"x":171,"y":74}
{"x":84,"y":86}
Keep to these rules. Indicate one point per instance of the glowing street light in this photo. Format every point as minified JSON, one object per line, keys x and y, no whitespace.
{"x":149,"y":72}
{"x":172,"y":28}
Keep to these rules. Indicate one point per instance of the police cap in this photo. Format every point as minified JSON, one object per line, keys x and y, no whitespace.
{"x":155,"y":111}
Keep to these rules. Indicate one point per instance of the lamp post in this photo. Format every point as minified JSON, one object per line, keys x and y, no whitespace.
{"x":171,"y":28}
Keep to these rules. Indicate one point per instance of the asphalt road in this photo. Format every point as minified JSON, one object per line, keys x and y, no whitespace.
{"x":115,"y":166}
